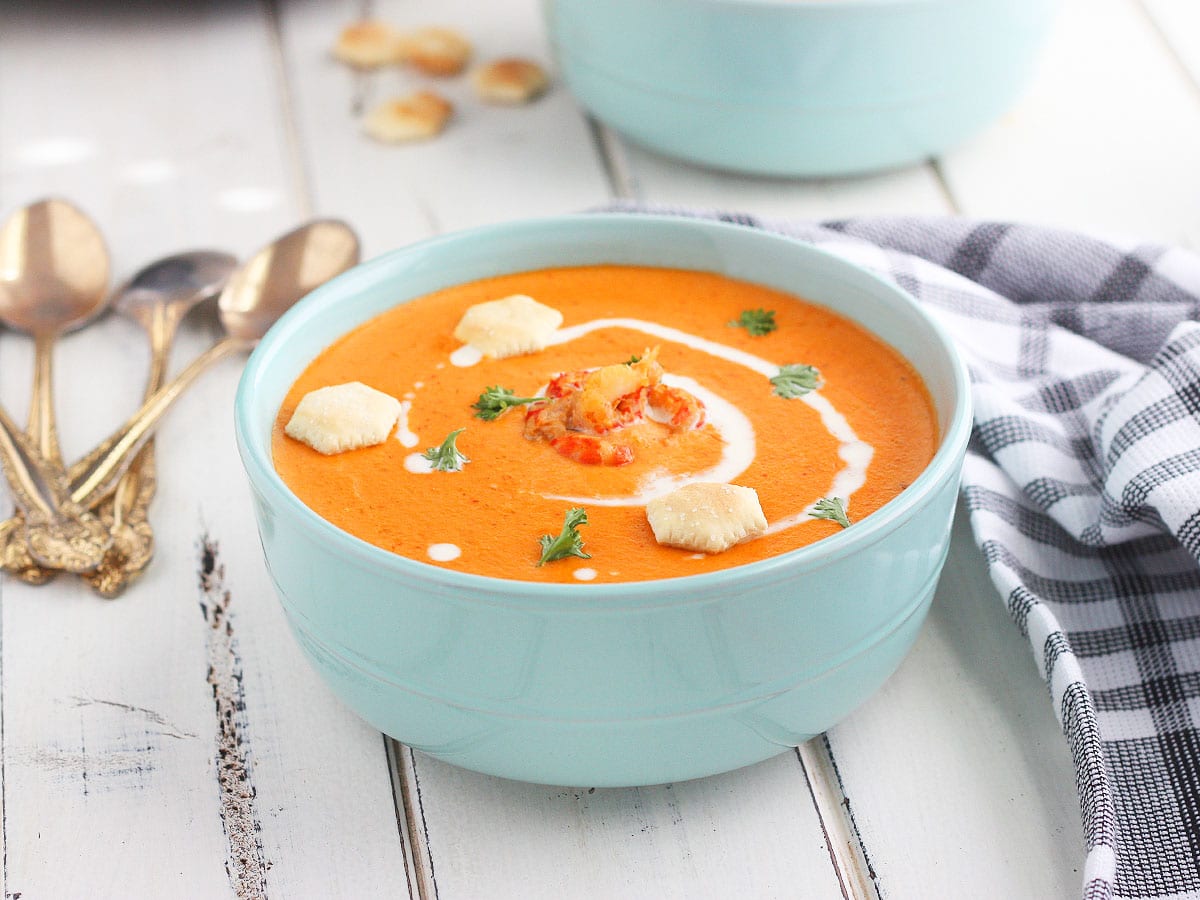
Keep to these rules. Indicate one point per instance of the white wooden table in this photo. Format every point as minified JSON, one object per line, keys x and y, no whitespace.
{"x":147,"y":753}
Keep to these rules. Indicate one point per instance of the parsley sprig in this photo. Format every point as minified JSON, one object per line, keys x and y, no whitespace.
{"x":569,"y":542}
{"x":833,"y":508}
{"x":756,"y":321}
{"x":447,"y":457}
{"x":795,"y":381}
{"x":496,"y":400}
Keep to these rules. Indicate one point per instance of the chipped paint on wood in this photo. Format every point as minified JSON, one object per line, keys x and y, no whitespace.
{"x":245,"y":863}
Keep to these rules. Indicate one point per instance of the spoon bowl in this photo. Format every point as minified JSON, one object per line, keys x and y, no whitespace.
{"x":271,"y":282}
{"x":160,"y":295}
{"x":54,"y":268}
{"x":179,"y":281}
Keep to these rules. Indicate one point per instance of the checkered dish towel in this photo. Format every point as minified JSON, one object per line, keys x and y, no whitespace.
{"x":1082,"y":481}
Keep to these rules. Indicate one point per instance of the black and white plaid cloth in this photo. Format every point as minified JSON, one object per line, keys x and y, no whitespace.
{"x":1083,"y":485}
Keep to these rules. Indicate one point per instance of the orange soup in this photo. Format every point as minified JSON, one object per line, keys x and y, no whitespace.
{"x":715,"y":370}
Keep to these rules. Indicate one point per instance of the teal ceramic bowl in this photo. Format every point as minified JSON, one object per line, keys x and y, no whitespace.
{"x":797,"y":87}
{"x":606,"y":684}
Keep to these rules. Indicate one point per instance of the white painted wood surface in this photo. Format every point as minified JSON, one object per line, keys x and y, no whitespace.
{"x":111,"y":732}
{"x":492,"y":163}
{"x":221,"y":125}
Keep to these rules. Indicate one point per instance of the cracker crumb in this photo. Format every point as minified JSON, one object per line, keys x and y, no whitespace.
{"x":418,"y":116}
{"x":368,"y":44}
{"x":510,"y":81}
{"x":436,"y":51}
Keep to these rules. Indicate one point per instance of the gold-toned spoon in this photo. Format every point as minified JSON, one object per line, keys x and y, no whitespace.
{"x":259,"y":292}
{"x":54,"y":271}
{"x":157,"y":298}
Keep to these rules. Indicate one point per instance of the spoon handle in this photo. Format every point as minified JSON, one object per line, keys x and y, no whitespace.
{"x":33,"y":487}
{"x":161,"y":326}
{"x":113,"y":457}
{"x":43,"y":424}
{"x":42,"y":429}
{"x":51,"y":508}
{"x":15,"y":557}
{"x":125,"y":513}
{"x":58,"y":532}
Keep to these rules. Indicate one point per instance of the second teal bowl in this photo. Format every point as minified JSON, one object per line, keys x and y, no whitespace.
{"x":797,"y":87}
{"x":606,"y":684}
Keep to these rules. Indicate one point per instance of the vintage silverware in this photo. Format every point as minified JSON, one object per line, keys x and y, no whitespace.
{"x":257,"y":294}
{"x":56,"y":510}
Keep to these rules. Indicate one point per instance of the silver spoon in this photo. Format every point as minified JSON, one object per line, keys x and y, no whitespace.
{"x":157,"y":298}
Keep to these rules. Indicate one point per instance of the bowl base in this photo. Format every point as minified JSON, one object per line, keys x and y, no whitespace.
{"x":618,"y":752}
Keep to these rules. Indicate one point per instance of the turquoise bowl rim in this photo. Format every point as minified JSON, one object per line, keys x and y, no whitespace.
{"x":706,"y":587}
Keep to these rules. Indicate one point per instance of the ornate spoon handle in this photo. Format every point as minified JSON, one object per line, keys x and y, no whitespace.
{"x":125,"y":513}
{"x":15,"y":554}
{"x":92,"y":479}
{"x":60,"y":534}
{"x":43,"y":431}
{"x":43,"y":423}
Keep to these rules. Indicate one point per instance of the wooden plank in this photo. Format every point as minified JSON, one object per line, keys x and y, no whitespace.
{"x":491,"y":164}
{"x":1106,"y":138}
{"x":751,"y":833}
{"x":1178,"y":23}
{"x":172,"y":741}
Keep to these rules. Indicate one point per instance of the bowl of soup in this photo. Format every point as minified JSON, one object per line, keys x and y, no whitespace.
{"x":798,"y":87}
{"x":508,"y":577}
